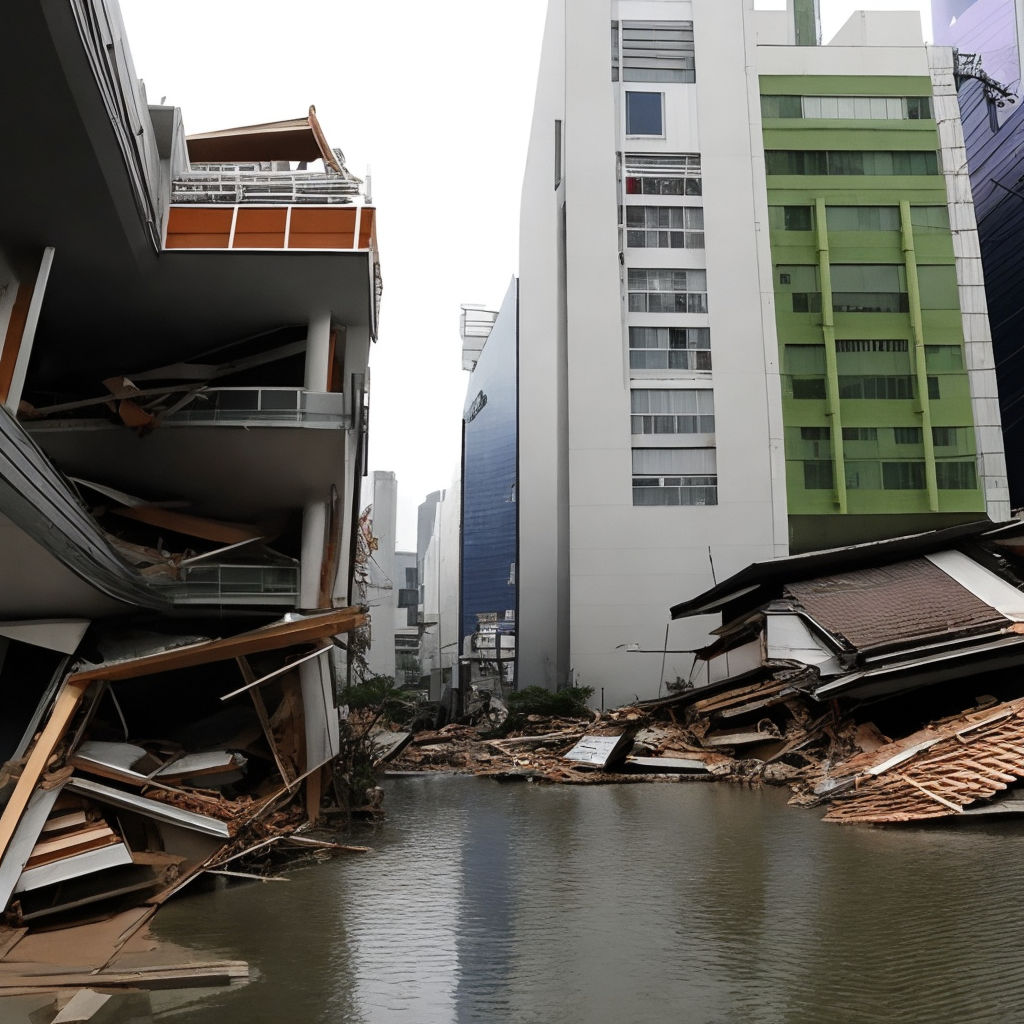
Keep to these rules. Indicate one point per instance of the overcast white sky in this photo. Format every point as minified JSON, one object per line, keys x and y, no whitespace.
{"x":435,"y":99}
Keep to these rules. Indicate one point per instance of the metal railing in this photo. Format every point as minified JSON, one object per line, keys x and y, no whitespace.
{"x":224,"y":583}
{"x":265,"y":188}
{"x":266,"y":406}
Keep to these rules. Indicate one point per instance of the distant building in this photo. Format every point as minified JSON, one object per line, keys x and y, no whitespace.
{"x":752,"y":319}
{"x":438,"y":610}
{"x":382,"y":591}
{"x":487,"y":573}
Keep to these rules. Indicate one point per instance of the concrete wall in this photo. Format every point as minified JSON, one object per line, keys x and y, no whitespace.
{"x":628,"y":564}
{"x":543,"y":626}
{"x":382,"y":590}
{"x":439,"y":642}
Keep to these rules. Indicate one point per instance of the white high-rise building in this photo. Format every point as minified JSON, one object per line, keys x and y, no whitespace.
{"x":745,"y":326}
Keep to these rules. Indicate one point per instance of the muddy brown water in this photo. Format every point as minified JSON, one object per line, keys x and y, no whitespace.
{"x":692,"y":903}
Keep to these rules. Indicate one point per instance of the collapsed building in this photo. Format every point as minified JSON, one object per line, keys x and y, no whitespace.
{"x":882,"y":678}
{"x":185,"y":325}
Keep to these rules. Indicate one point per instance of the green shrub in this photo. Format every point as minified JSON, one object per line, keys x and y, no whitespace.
{"x":535,"y":700}
{"x":380,"y":694}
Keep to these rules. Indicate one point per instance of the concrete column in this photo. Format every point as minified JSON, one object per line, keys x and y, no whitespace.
{"x":314,"y":533}
{"x":24,"y":352}
{"x":318,"y":347}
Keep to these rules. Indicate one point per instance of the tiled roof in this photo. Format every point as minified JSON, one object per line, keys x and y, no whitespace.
{"x":968,"y":758}
{"x":893,"y":603}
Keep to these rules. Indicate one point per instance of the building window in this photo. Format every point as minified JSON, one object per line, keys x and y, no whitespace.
{"x":644,"y":113}
{"x":853,"y":108}
{"x":663,"y":174}
{"x":805,"y":360}
{"x":943,"y":358}
{"x":806,"y":302}
{"x":669,"y":348}
{"x":835,"y":162}
{"x":869,"y":288}
{"x":818,"y":475}
{"x":814,"y":433}
{"x":948,"y":437}
{"x":653,"y":51}
{"x":956,"y":476}
{"x":907,"y":435}
{"x":672,"y":411}
{"x":871,"y":345}
{"x":863,"y":218}
{"x":674,"y":476}
{"x":929,"y":218}
{"x":802,"y":282}
{"x":809,"y":387}
{"x":667,"y":291}
{"x":903,"y":476}
{"x":860,"y":433}
{"x":791,"y":218}
{"x":856,"y":387}
{"x":665,"y":227}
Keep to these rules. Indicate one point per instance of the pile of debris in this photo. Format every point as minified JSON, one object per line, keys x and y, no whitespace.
{"x":138,"y":774}
{"x":837,"y":653}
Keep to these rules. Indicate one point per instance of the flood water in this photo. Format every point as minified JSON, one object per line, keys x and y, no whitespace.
{"x":665,"y":903}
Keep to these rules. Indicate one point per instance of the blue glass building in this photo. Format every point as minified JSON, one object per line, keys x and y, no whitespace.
{"x":994,"y":137}
{"x":489,"y":473}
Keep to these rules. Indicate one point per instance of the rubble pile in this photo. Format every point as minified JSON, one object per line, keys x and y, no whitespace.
{"x":859,"y":689}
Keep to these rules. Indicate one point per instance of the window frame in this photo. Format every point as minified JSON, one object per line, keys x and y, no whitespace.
{"x":629,"y":93}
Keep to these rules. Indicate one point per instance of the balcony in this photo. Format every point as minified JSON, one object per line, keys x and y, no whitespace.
{"x":264,"y":188}
{"x":246,"y":407}
{"x":233,"y":584}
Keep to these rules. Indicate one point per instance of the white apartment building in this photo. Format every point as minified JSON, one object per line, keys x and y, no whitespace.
{"x":649,"y":352}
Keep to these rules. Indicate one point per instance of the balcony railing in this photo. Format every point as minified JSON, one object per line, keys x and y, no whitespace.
{"x":263,"y":406}
{"x":233,"y":584}
{"x":264,"y":188}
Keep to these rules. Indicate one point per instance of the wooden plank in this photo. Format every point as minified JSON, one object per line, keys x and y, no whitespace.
{"x":108,"y":856}
{"x":314,"y":793}
{"x":9,"y":938}
{"x":245,"y":874}
{"x":189,"y":525}
{"x":324,"y":844}
{"x":64,"y":708}
{"x":934,"y":796}
{"x":83,"y":1007}
{"x":266,"y":638}
{"x":277,"y":672}
{"x":287,"y":774}
{"x":151,"y":808}
{"x":170,"y":976}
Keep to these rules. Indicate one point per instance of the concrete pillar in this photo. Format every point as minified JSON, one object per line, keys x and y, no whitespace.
{"x":318,"y":349}
{"x":314,"y":533}
{"x":28,"y":332}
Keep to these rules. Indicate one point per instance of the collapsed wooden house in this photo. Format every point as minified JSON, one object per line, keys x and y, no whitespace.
{"x":821,"y":658}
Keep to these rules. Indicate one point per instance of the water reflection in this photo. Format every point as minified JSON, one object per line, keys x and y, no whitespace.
{"x":701,"y":903}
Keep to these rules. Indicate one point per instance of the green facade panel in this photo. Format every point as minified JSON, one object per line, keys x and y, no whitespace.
{"x":876,"y":402}
{"x":845,"y":85}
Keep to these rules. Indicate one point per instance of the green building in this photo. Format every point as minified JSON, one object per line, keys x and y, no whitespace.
{"x":882,"y":403}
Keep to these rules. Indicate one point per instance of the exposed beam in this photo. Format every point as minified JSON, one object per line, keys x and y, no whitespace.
{"x":267,"y":638}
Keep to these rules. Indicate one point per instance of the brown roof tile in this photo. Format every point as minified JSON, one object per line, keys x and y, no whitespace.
{"x":897,"y":602}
